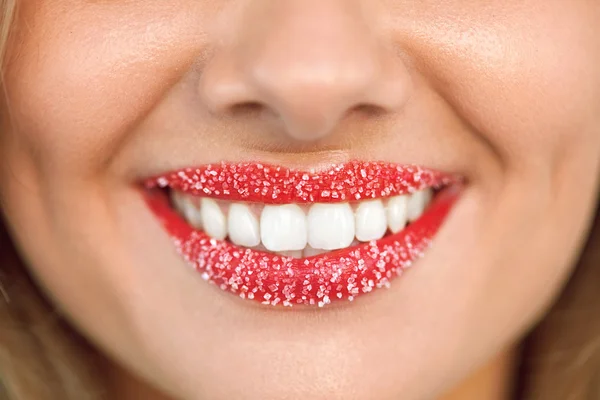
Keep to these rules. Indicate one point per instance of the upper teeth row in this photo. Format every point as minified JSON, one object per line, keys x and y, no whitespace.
{"x":289,"y":227}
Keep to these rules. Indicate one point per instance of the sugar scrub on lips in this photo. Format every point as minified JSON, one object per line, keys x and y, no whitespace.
{"x":315,"y":236}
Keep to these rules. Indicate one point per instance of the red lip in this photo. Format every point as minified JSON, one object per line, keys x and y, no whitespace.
{"x":263,"y":183}
{"x":278,"y":280}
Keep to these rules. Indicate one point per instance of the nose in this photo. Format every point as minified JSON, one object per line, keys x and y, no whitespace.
{"x":309,"y":63}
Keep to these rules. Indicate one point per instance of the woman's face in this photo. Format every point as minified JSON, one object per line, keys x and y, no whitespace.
{"x":106,"y":94}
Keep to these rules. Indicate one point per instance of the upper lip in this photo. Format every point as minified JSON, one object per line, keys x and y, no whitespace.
{"x":272,"y":184}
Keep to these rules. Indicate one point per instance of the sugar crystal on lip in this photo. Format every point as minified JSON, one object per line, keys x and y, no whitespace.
{"x":312,"y":280}
{"x":263,"y":183}
{"x":286,"y":281}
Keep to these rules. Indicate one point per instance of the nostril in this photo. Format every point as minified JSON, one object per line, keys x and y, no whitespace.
{"x":247,"y":108}
{"x":368,"y":109}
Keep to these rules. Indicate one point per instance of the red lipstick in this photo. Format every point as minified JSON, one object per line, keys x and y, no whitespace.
{"x":319,"y":280}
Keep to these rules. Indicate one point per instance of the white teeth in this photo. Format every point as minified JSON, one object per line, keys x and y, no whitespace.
{"x":288,"y":231}
{"x":243,"y":226}
{"x":417,"y":203}
{"x":283,"y":228}
{"x":330,"y":226}
{"x":396,"y":213}
{"x":371,"y":222}
{"x":193,"y":215}
{"x":188,"y":206}
{"x":213,"y":219}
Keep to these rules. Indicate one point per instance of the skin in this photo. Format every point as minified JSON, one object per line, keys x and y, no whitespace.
{"x":103,"y":93}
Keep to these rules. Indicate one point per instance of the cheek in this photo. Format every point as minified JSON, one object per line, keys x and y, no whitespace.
{"x":524,"y":77}
{"x":82,"y":79}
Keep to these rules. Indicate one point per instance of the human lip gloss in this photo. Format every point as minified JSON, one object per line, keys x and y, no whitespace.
{"x":338,"y":275}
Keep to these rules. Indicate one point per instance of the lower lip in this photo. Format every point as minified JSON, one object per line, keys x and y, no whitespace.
{"x":273,"y":279}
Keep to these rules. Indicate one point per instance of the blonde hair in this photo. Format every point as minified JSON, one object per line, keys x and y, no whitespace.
{"x":561,"y":356}
{"x":41,"y":357}
{"x":7,"y":9}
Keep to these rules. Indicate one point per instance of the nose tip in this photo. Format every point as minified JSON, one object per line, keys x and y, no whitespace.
{"x":312,"y":96}
{"x":309,"y":68}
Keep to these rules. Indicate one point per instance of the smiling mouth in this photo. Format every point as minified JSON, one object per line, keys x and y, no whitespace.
{"x":285,"y":237}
